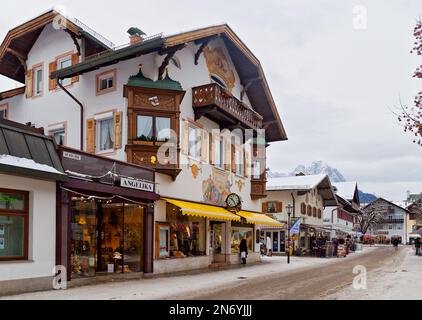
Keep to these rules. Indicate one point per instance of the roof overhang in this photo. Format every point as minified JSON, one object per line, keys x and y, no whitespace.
{"x":248,"y":66}
{"x":18,"y":42}
{"x":11,"y":93}
{"x":31,"y":173}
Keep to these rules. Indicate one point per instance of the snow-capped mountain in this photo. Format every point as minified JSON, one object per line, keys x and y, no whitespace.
{"x":318,"y":167}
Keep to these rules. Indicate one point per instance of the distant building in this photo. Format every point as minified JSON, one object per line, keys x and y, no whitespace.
{"x":412,"y":198}
{"x":393,"y":223}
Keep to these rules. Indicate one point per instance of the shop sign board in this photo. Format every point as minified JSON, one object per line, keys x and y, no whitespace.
{"x":136,"y":184}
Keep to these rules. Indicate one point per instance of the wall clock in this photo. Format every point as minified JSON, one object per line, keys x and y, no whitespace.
{"x":233,"y":201}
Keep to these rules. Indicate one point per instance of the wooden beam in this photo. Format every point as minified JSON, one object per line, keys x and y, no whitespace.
{"x":75,"y":40}
{"x":167,"y":59}
{"x":21,"y":57}
{"x":200,"y":50}
{"x":246,"y":86}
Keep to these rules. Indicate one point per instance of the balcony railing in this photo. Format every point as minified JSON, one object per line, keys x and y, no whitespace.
{"x":217,"y":103}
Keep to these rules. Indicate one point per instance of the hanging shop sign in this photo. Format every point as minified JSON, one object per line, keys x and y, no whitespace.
{"x":136,"y":184}
{"x":296,"y":227}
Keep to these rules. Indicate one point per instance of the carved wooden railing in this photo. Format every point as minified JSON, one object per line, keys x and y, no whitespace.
{"x":214,"y":94}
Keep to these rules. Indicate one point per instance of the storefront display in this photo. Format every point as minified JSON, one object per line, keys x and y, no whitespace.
{"x":238,"y":234}
{"x":187,"y":234}
{"x":110,"y":204}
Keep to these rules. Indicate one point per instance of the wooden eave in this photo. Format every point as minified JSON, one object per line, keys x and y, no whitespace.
{"x":11,"y":93}
{"x":22,"y":38}
{"x":247,"y":61}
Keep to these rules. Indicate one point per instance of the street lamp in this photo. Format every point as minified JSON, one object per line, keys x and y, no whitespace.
{"x":289,"y":209}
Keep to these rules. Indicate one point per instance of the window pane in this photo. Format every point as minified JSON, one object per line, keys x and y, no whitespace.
{"x":39,"y":81}
{"x":11,"y":201}
{"x":256,"y":170}
{"x":59,"y":137}
{"x":106,"y":131}
{"x":144,"y":130}
{"x":12,"y":236}
{"x":2,"y":113}
{"x":64,"y":63}
{"x":163,"y":128}
{"x":164,"y":240}
{"x":217,"y":153}
{"x":194,"y":143}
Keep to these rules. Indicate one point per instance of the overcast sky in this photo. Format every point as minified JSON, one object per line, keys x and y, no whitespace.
{"x":334,"y":84}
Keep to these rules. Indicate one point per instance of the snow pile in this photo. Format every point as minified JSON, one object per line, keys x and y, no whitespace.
{"x":26,"y":163}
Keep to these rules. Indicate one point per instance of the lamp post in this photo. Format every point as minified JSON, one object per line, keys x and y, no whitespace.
{"x":289,"y":213}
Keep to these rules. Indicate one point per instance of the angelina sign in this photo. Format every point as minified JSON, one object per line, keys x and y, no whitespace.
{"x":137,"y":184}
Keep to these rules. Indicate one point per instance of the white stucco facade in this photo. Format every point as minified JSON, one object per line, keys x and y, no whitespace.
{"x":42,"y":229}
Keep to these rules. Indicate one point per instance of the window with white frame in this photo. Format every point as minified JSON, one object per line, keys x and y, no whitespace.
{"x":219,"y":153}
{"x":256,"y":169}
{"x":106,"y":82}
{"x":3,"y":111}
{"x":58,"y":132}
{"x":239,"y":161}
{"x":194,"y":142}
{"x":105,"y":133}
{"x":38,"y":80}
{"x":62,"y":63}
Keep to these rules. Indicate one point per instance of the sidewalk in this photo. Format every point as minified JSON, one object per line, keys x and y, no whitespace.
{"x":175,"y":287}
{"x":402,"y":280}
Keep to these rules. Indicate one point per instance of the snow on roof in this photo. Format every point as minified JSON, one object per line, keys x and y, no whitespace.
{"x":346,"y":190}
{"x":295,"y":182}
{"x":27,"y":163}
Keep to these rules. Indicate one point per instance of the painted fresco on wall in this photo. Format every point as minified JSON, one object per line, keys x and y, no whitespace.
{"x":218,"y":64}
{"x":217,"y":187}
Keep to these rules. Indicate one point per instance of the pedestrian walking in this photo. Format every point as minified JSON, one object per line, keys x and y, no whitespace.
{"x":418,"y":246}
{"x":396,"y":244}
{"x":243,"y":250}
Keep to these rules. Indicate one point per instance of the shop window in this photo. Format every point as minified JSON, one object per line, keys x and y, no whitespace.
{"x":13,"y":225}
{"x":106,"y":82}
{"x":187,"y":234}
{"x":162,"y":233}
{"x":237,"y":235}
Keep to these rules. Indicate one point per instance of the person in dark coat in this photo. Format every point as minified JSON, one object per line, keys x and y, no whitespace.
{"x":418,"y":246}
{"x":243,"y":247}
{"x":396,"y":243}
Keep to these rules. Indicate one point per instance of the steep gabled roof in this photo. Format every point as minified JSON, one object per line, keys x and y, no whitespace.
{"x":19,"y":41}
{"x":384,"y":200}
{"x":348,"y":190}
{"x":305,"y":183}
{"x":247,"y":65}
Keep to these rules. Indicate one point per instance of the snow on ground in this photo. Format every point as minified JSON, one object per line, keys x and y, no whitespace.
{"x":175,"y":287}
{"x":401,"y":280}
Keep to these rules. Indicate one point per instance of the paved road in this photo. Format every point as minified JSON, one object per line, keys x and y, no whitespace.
{"x":308,"y":283}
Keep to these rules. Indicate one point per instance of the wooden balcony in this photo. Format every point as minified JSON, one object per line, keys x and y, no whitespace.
{"x":217,"y":104}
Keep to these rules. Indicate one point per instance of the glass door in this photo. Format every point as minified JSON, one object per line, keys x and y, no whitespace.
{"x":218,"y":241}
{"x":275,"y":241}
{"x":133,"y":238}
{"x":84,"y":245}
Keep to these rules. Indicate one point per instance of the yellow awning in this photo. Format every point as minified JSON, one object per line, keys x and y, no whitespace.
{"x":259,"y":219}
{"x":203,"y":210}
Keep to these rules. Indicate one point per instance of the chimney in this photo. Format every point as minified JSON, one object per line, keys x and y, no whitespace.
{"x":135,"y":35}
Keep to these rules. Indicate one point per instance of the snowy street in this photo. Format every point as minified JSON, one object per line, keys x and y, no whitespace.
{"x":304,"y":278}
